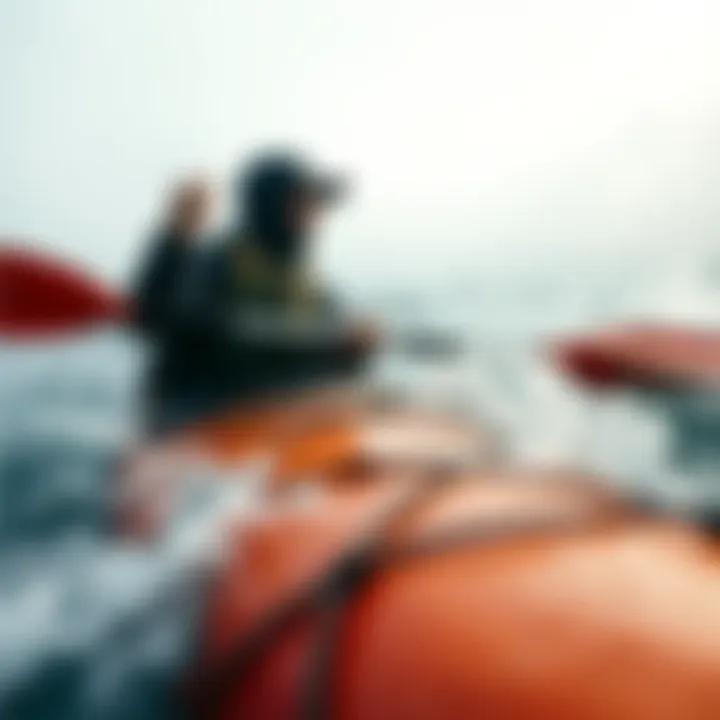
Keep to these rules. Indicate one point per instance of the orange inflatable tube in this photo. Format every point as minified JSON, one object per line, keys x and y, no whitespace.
{"x":514,"y":598}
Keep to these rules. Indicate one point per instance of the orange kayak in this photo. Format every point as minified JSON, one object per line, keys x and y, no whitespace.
{"x":651,"y":356}
{"x":419,"y":582}
{"x":504,"y":597}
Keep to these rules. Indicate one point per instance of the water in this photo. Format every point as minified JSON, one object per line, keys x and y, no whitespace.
{"x":92,"y":627}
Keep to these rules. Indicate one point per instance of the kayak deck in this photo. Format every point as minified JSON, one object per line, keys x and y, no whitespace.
{"x":330,"y":439}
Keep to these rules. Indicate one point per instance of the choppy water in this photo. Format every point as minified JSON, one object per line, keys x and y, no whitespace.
{"x":94,"y":628}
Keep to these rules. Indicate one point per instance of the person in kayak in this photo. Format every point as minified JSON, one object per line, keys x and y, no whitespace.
{"x":242,"y":317}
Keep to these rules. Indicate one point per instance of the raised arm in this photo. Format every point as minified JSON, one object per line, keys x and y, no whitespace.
{"x":159,"y":281}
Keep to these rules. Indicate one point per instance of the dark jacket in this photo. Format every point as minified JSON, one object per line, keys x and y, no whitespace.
{"x":221,"y":333}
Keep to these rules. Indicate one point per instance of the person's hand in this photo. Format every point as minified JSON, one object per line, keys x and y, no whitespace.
{"x":365,"y":336}
{"x":189,"y":210}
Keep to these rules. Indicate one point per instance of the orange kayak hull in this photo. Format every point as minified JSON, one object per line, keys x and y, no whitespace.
{"x":606,"y":614}
{"x":618,"y":619}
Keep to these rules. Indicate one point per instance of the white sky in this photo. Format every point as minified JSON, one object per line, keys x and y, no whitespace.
{"x":479,"y":131}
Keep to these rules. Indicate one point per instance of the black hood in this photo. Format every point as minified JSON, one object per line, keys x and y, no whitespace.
{"x":266,"y":189}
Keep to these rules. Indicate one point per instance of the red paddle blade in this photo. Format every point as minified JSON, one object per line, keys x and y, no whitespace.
{"x":644,"y":356}
{"x":41,"y":295}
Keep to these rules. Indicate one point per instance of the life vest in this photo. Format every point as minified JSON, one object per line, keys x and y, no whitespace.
{"x":257,"y":279}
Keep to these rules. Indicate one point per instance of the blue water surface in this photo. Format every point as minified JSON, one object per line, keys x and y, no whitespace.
{"x":95,"y":627}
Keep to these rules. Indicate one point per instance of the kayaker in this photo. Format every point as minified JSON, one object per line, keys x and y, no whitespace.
{"x":243,"y":316}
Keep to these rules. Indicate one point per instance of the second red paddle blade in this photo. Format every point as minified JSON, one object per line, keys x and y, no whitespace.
{"x":658,"y":356}
{"x":41,"y":295}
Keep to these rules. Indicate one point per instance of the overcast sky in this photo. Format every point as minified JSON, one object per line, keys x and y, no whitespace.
{"x":479,"y":132}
